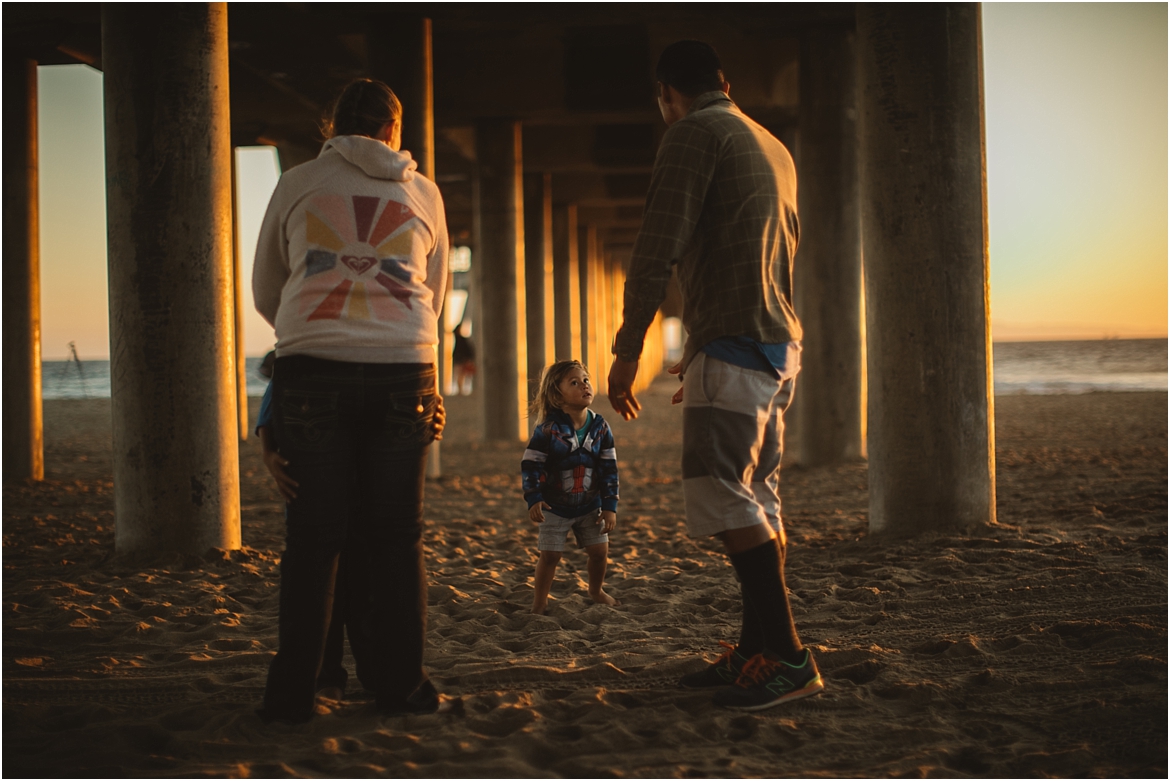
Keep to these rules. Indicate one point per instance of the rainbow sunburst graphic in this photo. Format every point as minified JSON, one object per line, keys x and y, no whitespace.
{"x":354,"y":261}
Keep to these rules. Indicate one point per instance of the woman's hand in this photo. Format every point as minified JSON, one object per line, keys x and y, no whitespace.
{"x":678,"y":395}
{"x":439,"y":420}
{"x":275,"y":464}
{"x":536,"y":511}
{"x":608,"y":521}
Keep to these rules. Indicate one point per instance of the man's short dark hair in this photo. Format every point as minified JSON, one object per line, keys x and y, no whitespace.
{"x":691,"y":67}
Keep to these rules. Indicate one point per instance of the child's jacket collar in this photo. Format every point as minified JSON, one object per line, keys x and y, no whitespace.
{"x":562,"y":419}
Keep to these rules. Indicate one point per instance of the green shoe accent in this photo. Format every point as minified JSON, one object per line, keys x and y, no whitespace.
{"x":767,"y":681}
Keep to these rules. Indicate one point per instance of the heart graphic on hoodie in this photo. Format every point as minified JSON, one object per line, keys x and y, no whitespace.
{"x":361,"y":224}
{"x":360,"y":265}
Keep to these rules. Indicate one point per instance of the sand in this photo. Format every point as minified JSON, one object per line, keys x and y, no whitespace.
{"x":1034,"y":648}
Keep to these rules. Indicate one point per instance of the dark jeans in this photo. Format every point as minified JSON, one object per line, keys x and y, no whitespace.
{"x":332,"y":674}
{"x":355,"y":436}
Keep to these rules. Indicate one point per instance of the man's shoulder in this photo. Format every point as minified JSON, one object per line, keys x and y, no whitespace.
{"x":690,"y":127}
{"x":718,"y":113}
{"x":722,"y":122}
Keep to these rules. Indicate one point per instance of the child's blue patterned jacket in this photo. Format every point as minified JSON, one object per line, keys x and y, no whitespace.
{"x":573,"y":479}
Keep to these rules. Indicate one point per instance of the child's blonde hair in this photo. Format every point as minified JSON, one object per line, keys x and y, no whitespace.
{"x":549,"y":398}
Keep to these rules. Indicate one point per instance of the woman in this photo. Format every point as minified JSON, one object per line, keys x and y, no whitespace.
{"x":350,"y":270}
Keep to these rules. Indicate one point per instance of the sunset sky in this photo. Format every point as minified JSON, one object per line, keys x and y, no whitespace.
{"x":1077,"y":181}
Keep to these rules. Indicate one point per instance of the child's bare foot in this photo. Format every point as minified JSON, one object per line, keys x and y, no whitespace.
{"x":601,"y":598}
{"x":539,"y":611}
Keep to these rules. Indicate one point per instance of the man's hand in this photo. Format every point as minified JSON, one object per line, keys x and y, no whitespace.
{"x":536,"y":511}
{"x":678,"y":394}
{"x":439,"y":421}
{"x":608,"y":521}
{"x":621,"y":383}
{"x":275,"y":464}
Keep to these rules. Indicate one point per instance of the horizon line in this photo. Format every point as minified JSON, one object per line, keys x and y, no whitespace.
{"x":1012,"y":339}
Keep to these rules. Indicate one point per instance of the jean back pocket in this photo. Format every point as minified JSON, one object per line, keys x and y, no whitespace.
{"x":406,"y":421}
{"x":309,"y":419}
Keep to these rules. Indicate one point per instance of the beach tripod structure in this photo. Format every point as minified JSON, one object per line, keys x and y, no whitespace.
{"x":74,"y":362}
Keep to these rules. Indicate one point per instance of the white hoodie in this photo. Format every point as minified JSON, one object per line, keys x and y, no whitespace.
{"x":352,"y":259}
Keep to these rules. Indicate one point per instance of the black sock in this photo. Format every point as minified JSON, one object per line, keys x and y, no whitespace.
{"x":751,"y":634}
{"x":761,"y":575}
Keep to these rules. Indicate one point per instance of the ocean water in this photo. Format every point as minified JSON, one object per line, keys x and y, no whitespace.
{"x":1044,"y":368}
{"x":91,"y":379}
{"x":1051,"y":368}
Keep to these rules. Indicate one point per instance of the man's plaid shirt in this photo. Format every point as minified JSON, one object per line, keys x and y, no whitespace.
{"x":722,"y":205}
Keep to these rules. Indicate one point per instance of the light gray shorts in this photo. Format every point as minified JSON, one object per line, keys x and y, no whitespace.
{"x":586,"y":528}
{"x":733,"y":440}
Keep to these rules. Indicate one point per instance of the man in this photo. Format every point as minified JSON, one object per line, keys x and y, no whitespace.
{"x":722,"y":208}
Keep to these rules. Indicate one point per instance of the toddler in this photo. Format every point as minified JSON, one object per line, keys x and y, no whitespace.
{"x":570,"y":478}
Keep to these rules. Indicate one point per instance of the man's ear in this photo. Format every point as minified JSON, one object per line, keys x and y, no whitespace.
{"x":726,"y":88}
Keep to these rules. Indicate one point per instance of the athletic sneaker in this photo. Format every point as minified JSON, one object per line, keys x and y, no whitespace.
{"x":722,"y":672}
{"x":766,"y":681}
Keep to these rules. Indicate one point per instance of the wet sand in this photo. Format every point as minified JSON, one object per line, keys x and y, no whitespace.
{"x":1033,"y":648}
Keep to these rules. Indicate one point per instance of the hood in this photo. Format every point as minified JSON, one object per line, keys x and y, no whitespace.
{"x":373,"y":157}
{"x":562,"y":417}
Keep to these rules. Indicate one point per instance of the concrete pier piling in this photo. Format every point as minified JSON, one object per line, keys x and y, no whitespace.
{"x":587,"y":267}
{"x":238,"y":297}
{"x":24,"y":457}
{"x":924,"y":229}
{"x":503,"y":349}
{"x":566,"y":283}
{"x":827,"y":277}
{"x":538,"y":275}
{"x":176,"y":464}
